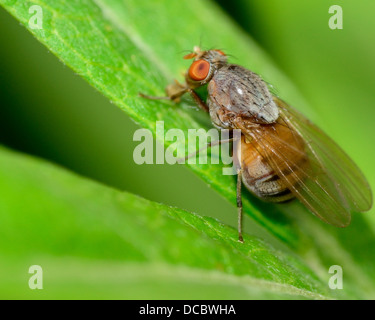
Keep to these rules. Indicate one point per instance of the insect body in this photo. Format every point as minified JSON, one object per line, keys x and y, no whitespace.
{"x":282,"y":155}
{"x":238,"y":98}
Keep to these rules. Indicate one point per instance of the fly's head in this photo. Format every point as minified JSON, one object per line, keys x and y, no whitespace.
{"x":204,"y":66}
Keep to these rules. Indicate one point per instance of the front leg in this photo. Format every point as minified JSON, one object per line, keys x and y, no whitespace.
{"x":174,"y":92}
{"x":201,"y":104}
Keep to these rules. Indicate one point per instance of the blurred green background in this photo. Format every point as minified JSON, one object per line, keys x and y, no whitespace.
{"x":48,"y":111}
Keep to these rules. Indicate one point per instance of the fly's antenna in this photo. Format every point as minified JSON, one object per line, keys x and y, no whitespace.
{"x":200,"y":40}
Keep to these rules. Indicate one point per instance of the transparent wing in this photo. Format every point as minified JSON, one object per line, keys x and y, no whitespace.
{"x":340,"y":167}
{"x":328,"y":183}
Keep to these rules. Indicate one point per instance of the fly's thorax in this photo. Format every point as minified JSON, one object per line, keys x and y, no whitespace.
{"x":234,"y":90}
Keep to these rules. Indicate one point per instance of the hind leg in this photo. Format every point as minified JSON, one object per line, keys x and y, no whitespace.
{"x":239,"y":204}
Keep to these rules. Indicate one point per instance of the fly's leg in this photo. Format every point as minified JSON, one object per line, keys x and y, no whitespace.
{"x":153,"y":97}
{"x":237,"y":162}
{"x":201,"y":104}
{"x":174,"y":92}
{"x":209,"y":145}
{"x":239,"y":204}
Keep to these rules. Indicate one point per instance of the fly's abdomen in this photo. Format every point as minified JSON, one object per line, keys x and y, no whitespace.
{"x":260,"y":178}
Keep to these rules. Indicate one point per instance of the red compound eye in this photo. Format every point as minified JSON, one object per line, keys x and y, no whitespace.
{"x":199,"y":70}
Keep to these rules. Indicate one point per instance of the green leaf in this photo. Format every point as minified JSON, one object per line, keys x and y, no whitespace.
{"x":123,"y":47}
{"x":117,"y":49}
{"x":96,"y":242}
